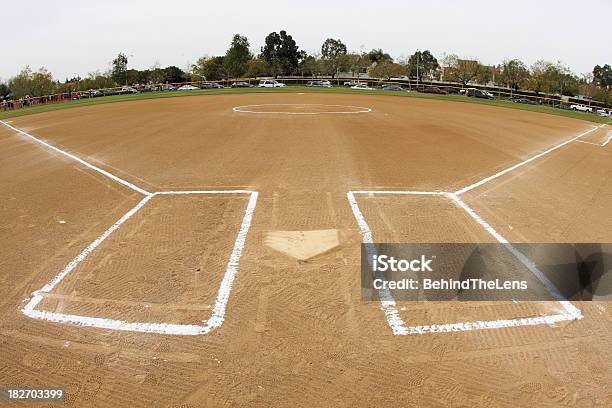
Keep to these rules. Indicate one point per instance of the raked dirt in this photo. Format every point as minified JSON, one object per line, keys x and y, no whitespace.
{"x":296,"y":332}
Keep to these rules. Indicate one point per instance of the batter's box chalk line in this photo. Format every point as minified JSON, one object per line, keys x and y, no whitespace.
{"x":388,"y":303}
{"x":218,"y":312}
{"x":389,"y":306}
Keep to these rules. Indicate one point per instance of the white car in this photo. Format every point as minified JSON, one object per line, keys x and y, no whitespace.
{"x":188,"y":88}
{"x":581,"y":108}
{"x":270,"y":83}
{"x":360,"y":86}
{"x":603,"y":112}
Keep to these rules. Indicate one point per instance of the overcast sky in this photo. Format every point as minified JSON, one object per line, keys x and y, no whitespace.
{"x":75,"y":37}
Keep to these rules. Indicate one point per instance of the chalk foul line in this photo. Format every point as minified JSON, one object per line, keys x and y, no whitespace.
{"x":524,"y":162}
{"x":78,"y":159}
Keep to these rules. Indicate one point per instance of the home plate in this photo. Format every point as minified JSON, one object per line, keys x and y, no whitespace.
{"x":302,"y":245}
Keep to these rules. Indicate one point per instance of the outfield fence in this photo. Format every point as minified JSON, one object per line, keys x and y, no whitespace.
{"x":521,"y":96}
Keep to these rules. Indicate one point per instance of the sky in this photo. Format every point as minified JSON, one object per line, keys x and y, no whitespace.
{"x":70,"y":37}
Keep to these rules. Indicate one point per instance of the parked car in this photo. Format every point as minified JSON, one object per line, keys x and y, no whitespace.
{"x":477,"y":93}
{"x":168,"y":88}
{"x":349,"y":83}
{"x":360,"y":86}
{"x":188,"y":88}
{"x":270,"y":83}
{"x":581,"y":108}
{"x":432,"y":90}
{"x":396,"y":88}
{"x":520,"y":99}
{"x":129,"y":90}
{"x":111,"y":92}
{"x":241,"y":85}
{"x":318,"y":84}
{"x":210,"y":85}
{"x":561,"y":106}
{"x":603,"y":112}
{"x":91,"y":94}
{"x":456,"y":91}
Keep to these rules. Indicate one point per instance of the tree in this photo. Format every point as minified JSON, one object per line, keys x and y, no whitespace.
{"x":486,"y":74}
{"x":537,"y":78}
{"x":42,"y":83}
{"x":95,"y":80}
{"x":237,"y":57}
{"x":377,"y":56}
{"x":588,"y":89}
{"x":332,"y":52}
{"x":20,"y":83}
{"x":602,"y":76}
{"x":561,"y":80}
{"x":514,"y":73}
{"x":135,"y":76}
{"x":355,"y":63}
{"x":427,"y":64}
{"x":281,"y":53}
{"x":5,"y":91}
{"x":257,"y":67}
{"x":29,"y":83}
{"x":157,"y":75}
{"x":173,"y":75}
{"x":604,"y":95}
{"x":387,"y":70}
{"x":552,"y":78}
{"x":310,"y":65}
{"x":119,"y":70}
{"x":210,"y":68}
{"x":461,"y":70}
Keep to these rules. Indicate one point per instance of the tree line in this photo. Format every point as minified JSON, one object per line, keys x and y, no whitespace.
{"x":281,"y":56}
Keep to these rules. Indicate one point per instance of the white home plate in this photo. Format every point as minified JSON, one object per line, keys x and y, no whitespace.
{"x":303,"y":245}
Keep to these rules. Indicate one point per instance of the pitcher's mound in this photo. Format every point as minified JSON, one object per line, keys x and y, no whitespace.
{"x":303,"y":245}
{"x":301,"y":109}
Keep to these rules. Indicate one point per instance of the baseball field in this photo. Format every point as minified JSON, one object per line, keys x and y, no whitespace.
{"x":205,"y":251}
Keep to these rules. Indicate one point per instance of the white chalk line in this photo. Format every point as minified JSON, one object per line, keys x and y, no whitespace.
{"x":397,"y":192}
{"x":361,"y":109}
{"x":603,"y":144}
{"x":218,"y":313}
{"x":78,"y":159}
{"x":591,"y":143}
{"x":524,"y":162}
{"x":389,"y":306}
{"x":572,"y":311}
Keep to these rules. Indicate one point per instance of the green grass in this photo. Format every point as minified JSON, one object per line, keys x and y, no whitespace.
{"x":292,"y":89}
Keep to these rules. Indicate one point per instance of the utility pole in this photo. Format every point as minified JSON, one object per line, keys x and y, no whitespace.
{"x":418,"y":55}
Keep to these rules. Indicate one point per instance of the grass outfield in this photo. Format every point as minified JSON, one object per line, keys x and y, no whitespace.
{"x":153,"y":95}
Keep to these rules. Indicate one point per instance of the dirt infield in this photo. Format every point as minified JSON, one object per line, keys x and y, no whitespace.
{"x":295,"y":331}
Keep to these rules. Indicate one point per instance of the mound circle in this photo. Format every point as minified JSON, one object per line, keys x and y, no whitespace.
{"x":301,"y":109}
